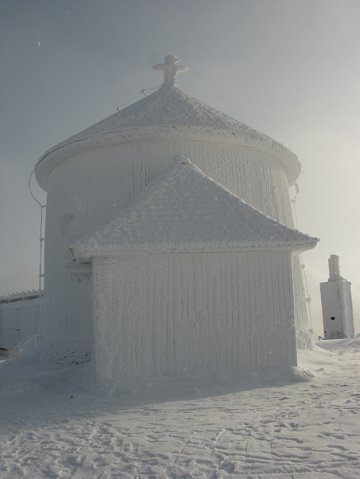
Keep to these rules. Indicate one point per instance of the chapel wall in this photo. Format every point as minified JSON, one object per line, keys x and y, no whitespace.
{"x":192,"y":314}
{"x":90,"y":189}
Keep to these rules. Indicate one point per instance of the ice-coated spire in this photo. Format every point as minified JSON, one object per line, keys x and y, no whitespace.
{"x":171,"y":69}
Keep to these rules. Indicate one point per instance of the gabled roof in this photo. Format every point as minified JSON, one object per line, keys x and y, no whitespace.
{"x":184,"y":210}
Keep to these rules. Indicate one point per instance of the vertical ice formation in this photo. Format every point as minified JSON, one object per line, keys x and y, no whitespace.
{"x":337,"y":303}
{"x":91,"y":177}
{"x":187,"y":314}
{"x":190,"y":280}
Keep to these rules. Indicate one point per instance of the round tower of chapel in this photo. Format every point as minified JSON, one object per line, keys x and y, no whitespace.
{"x":93,"y":175}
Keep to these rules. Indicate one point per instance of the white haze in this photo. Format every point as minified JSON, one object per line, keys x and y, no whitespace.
{"x":287,"y":68}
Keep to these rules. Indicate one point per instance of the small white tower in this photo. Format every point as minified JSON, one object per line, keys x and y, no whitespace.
{"x":336,"y":303}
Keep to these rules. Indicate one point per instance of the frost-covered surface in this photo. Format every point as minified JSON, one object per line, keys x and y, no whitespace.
{"x":21,"y":295}
{"x":184,"y":314}
{"x":169,"y":105}
{"x":19,"y":318}
{"x":97,"y":185}
{"x":258,"y":428}
{"x":185,"y":210}
{"x":336,"y":301}
{"x":85,"y":178}
{"x":338,"y":320}
{"x":166,"y":113}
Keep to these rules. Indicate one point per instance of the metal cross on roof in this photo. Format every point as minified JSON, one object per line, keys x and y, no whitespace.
{"x":171,"y":69}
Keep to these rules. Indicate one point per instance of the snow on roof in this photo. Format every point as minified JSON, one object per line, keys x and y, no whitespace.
{"x":184,"y":210}
{"x":21,"y":295}
{"x":169,"y":105}
{"x":171,"y":112}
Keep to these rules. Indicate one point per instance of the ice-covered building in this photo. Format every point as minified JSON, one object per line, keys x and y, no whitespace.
{"x":20,"y":315}
{"x":189,"y":279}
{"x":164,"y":268}
{"x":337,"y":303}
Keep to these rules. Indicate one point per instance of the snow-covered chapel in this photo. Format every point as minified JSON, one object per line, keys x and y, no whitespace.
{"x":170,"y":243}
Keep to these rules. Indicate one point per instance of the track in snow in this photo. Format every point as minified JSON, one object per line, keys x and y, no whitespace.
{"x":299,"y":430}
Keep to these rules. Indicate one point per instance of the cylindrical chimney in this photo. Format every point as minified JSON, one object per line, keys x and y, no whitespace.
{"x":334,"y":267}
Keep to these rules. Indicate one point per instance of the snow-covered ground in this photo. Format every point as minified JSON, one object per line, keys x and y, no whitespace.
{"x":305,"y":425}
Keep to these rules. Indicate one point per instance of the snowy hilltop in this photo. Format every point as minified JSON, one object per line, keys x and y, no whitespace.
{"x":301,"y":427}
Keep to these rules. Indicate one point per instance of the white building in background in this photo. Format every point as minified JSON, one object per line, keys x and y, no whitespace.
{"x":337,"y":303}
{"x":184,"y":281}
{"x":19,"y":321}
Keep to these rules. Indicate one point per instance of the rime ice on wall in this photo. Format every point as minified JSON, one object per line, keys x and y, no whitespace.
{"x":337,"y":304}
{"x":185,"y":314}
{"x":170,"y":106}
{"x":191,"y":280}
{"x":19,"y":318}
{"x":183,"y":210}
{"x":94,"y":175}
{"x":96,"y":185}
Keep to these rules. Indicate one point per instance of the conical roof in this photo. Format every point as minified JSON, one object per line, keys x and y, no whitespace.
{"x":169,"y":105}
{"x":171,"y":112}
{"x":184,"y":210}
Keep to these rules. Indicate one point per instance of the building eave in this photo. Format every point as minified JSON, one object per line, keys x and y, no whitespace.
{"x":87,"y":253}
{"x":55,"y":156}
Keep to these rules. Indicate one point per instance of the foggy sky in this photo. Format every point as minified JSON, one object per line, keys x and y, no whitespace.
{"x":289,"y":68}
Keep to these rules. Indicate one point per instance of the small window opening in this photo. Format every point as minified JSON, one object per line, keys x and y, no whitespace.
{"x":332,"y":318}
